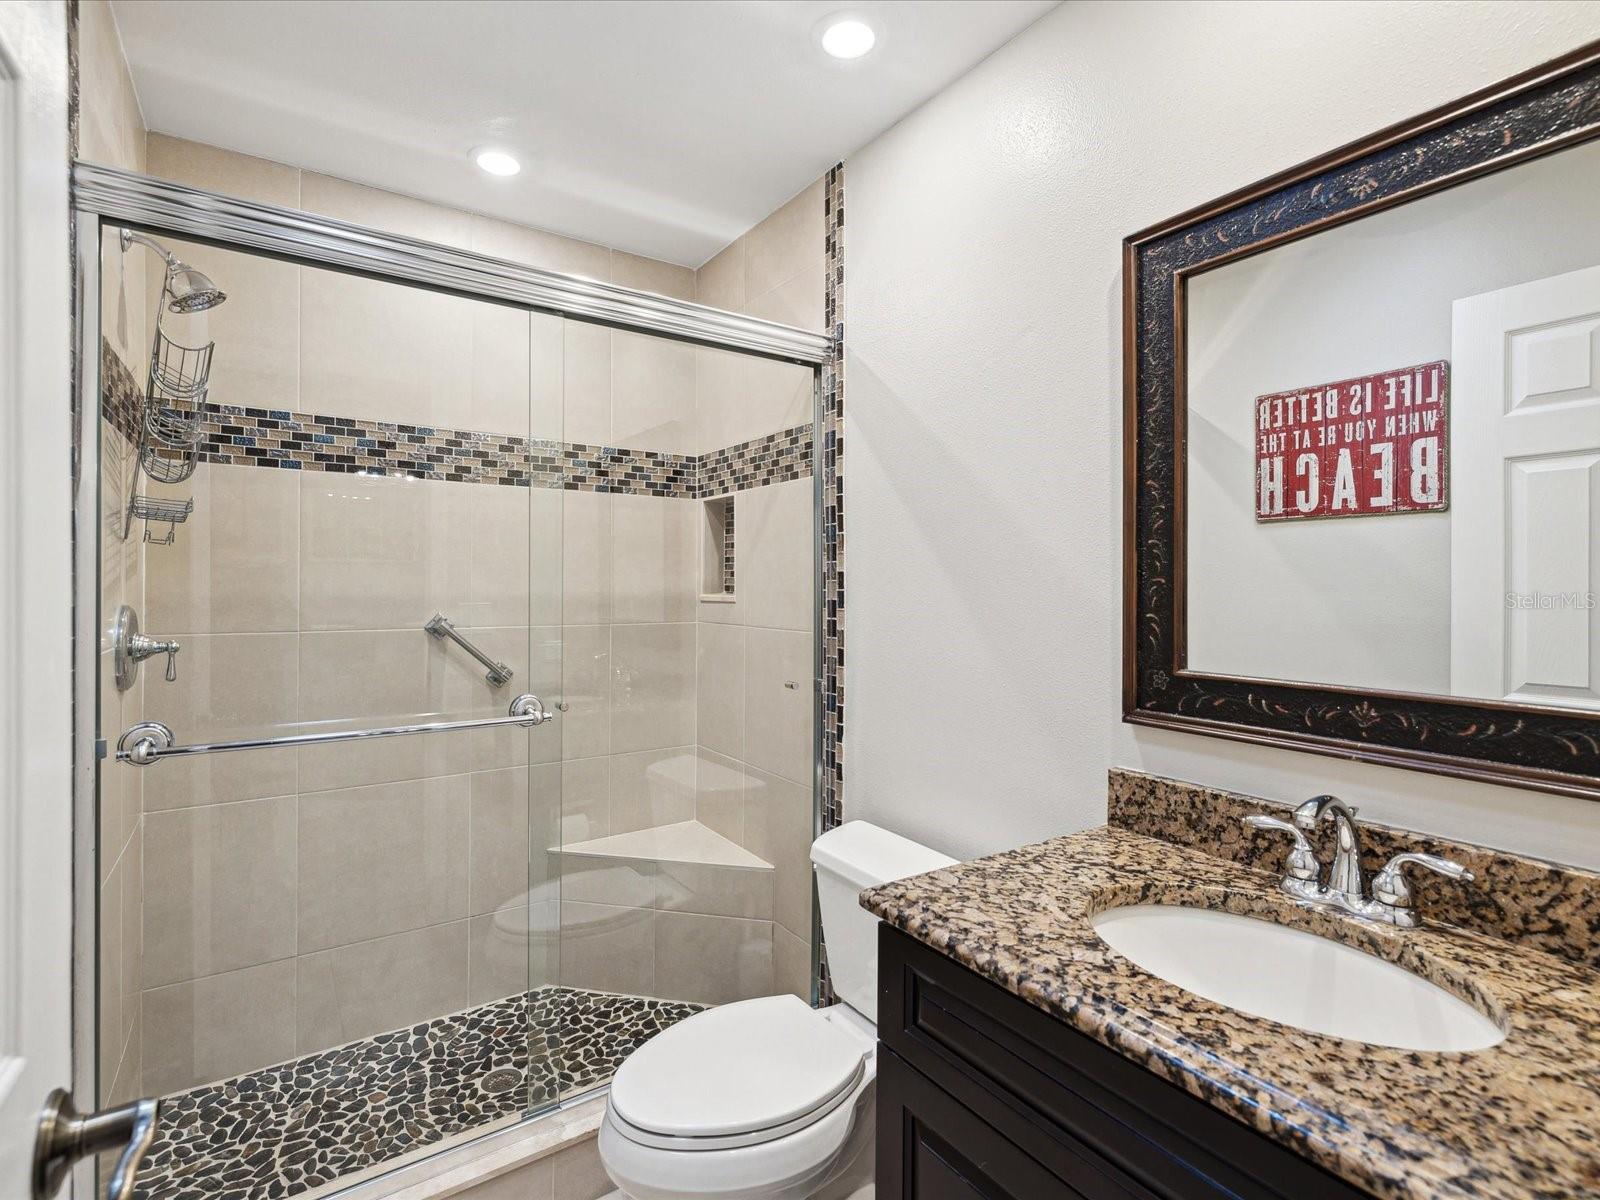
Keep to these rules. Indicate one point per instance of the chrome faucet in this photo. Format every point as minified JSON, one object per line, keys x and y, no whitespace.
{"x":1389,"y":901}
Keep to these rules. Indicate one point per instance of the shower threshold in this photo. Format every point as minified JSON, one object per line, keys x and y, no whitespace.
{"x":319,"y":1122}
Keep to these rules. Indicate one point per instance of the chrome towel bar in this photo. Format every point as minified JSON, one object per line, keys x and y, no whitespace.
{"x":151,"y":741}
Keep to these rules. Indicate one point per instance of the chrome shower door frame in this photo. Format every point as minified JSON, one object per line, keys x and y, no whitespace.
{"x":104,"y":196}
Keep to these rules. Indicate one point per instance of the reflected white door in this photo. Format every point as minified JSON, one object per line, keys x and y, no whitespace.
{"x":35,"y":580}
{"x":1525,"y":514}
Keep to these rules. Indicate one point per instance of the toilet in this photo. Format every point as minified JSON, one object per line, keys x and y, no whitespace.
{"x":769,"y":1099}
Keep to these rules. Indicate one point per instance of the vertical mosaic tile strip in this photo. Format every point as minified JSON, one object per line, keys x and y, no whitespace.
{"x":286,"y":1130}
{"x":831,"y":436}
{"x":727,"y":547}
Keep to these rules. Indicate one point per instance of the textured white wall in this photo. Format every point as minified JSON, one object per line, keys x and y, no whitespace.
{"x":984,"y":379}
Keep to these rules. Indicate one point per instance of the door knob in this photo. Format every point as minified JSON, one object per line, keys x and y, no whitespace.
{"x":66,"y":1135}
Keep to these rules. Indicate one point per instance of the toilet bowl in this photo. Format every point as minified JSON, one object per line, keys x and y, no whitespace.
{"x":769,"y":1099}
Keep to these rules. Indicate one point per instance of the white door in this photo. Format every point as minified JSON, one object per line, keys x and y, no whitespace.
{"x":35,"y":580}
{"x":1525,"y":514}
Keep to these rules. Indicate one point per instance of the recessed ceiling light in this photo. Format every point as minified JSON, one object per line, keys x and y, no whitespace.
{"x":847,"y":37}
{"x":496,"y":162}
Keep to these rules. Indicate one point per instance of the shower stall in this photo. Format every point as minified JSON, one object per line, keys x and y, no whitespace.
{"x":446,"y":674}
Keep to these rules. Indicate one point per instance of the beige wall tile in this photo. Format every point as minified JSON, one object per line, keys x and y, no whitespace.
{"x":653,"y":787}
{"x":715,"y":891}
{"x":128,"y":1085}
{"x":778,"y":828}
{"x":655,"y":559}
{"x":720,"y":688}
{"x":217,"y":778}
{"x":503,"y":811}
{"x":719,"y":793}
{"x":126,"y":283}
{"x":721,"y":399}
{"x":608,"y":948}
{"x":778,"y":396}
{"x":503,"y":961}
{"x":720,"y":280}
{"x":228,"y":685}
{"x":779,"y":701}
{"x":797,"y":301}
{"x":579,"y":1174}
{"x":652,"y":275}
{"x":712,"y":960}
{"x":501,"y":370}
{"x":133,"y":901}
{"x":775,"y":555}
{"x":220,"y":888}
{"x":791,"y":963}
{"x":546,"y":370}
{"x":235,"y":568}
{"x":216,"y":1027}
{"x":226,"y":171}
{"x":652,"y":393}
{"x":382,"y":351}
{"x":111,"y":129}
{"x":586,"y":557}
{"x":381,"y":860}
{"x":388,"y":552}
{"x":537,"y":248}
{"x":586,"y":879}
{"x":372,"y":987}
{"x":389,"y":211}
{"x":586,"y":383}
{"x":586,"y":687}
{"x":257,"y":328}
{"x":785,"y":244}
{"x":110,"y":1000}
{"x":546,"y":571}
{"x":585,"y":799}
{"x":652,"y":686}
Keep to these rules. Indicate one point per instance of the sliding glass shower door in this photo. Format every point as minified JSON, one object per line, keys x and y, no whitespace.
{"x":325,"y":516}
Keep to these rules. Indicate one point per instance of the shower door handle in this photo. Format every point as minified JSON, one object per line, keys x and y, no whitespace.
{"x":66,"y":1135}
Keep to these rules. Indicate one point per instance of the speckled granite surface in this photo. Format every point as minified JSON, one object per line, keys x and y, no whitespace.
{"x":1523,"y":899}
{"x":1518,"y":1121}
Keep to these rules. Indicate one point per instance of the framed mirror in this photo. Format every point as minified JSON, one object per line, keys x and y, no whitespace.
{"x":1362,"y":447}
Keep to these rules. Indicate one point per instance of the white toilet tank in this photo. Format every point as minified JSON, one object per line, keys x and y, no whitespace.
{"x":850,"y":859}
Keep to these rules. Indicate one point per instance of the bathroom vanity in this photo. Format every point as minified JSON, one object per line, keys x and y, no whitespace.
{"x":1020,"y":1055}
{"x":979,"y":1093}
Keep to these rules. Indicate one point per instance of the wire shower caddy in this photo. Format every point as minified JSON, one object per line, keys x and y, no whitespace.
{"x":171,"y":424}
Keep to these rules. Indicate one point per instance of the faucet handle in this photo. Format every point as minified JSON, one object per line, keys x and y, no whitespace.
{"x":1389,"y":885}
{"x":1302,"y":859}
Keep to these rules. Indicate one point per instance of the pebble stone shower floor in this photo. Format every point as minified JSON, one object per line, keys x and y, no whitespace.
{"x":289,"y":1129}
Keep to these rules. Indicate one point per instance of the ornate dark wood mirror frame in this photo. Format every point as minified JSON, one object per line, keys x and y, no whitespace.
{"x":1557,"y":750}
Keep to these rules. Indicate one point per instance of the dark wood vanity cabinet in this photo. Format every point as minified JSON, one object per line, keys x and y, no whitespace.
{"x":982,"y":1095}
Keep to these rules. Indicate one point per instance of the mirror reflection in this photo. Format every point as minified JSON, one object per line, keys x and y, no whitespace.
{"x":1392,"y":447}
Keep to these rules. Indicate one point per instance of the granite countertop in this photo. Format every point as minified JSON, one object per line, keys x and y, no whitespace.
{"x":1519,"y":1120}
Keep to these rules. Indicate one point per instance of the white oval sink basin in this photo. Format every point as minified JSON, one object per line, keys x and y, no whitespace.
{"x":1294,"y":977}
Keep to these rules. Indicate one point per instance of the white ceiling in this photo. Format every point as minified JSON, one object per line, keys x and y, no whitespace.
{"x":664,"y":127}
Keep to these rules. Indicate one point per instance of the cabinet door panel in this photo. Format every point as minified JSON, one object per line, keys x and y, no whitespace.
{"x":932,"y":1148}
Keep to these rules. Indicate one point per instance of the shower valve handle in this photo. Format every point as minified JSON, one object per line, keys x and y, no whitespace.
{"x":141,"y":647}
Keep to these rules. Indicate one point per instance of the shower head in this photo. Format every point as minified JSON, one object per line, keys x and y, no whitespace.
{"x":192,"y":291}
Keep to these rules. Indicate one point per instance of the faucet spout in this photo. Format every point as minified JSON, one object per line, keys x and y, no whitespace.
{"x":1344,"y":875}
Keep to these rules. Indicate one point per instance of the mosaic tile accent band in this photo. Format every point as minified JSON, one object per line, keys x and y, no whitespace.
{"x":235,"y":436}
{"x":1551,"y":908}
{"x":286,"y":1130}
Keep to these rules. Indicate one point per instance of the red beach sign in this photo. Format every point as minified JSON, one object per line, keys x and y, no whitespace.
{"x":1356,"y":448}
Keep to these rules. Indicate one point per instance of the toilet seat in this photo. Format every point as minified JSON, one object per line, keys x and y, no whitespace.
{"x":743,"y":1074}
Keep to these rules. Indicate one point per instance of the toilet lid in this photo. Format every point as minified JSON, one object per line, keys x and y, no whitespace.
{"x":744,"y":1067}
